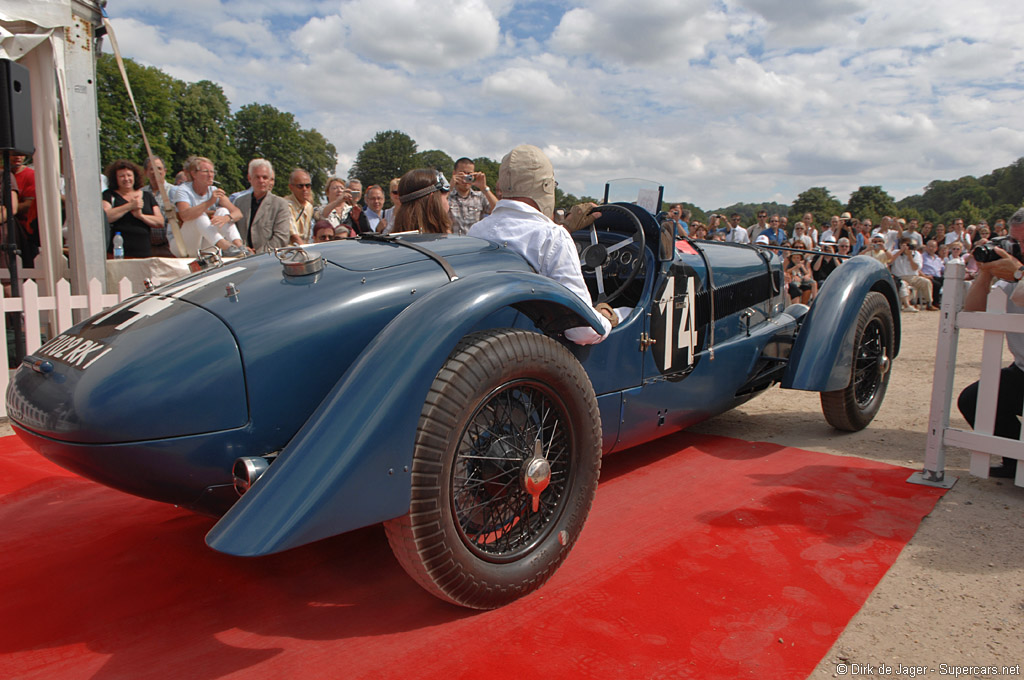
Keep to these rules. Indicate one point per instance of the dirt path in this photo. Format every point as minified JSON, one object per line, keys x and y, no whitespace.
{"x":955,"y":595}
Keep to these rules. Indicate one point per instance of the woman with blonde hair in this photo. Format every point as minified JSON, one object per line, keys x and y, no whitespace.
{"x":424,"y":198}
{"x":207,"y":216}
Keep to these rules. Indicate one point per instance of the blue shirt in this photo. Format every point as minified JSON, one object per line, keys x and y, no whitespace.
{"x":774,"y":236}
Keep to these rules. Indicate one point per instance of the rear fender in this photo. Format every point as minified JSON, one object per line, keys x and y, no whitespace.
{"x":349,"y":466}
{"x":822,"y":356}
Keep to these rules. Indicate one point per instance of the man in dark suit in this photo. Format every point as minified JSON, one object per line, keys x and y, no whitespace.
{"x":266,"y":220}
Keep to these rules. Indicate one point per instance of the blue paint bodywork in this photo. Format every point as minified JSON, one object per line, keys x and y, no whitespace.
{"x":329,"y":371}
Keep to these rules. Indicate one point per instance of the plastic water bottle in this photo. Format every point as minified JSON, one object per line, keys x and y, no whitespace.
{"x":118,"y":246}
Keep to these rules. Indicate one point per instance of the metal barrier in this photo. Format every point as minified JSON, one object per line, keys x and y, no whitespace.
{"x":59,"y":310}
{"x":995,"y":322}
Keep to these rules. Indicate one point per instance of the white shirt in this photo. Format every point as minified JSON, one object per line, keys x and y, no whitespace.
{"x":548,"y":248}
{"x":963,"y":237}
{"x":737,"y":235}
{"x":901,"y":265}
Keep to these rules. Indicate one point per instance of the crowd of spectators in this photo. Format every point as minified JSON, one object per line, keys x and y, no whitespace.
{"x":158,"y":218}
{"x":916,"y":254}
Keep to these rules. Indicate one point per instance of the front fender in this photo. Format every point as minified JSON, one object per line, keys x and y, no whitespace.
{"x":349,"y":465}
{"x":822,"y":356}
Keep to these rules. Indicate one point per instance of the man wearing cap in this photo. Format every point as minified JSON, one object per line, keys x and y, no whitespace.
{"x":521,"y":220}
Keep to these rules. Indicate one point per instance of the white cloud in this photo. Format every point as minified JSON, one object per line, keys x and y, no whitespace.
{"x":443,"y":34}
{"x":723,"y":100}
{"x":651,"y":32}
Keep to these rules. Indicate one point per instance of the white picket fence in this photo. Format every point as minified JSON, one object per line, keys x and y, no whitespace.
{"x":995,"y":323}
{"x":54,"y":313}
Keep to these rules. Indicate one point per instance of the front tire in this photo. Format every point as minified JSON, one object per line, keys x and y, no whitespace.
{"x":856,"y":405}
{"x":505,"y":468}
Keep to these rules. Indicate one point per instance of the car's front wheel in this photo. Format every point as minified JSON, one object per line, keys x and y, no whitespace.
{"x":505,"y":468}
{"x":854,"y":406}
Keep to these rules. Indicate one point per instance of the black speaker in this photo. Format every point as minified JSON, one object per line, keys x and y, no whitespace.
{"x":15,"y":108}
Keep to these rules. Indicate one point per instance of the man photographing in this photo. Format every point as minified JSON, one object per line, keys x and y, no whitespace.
{"x":1007,"y":272}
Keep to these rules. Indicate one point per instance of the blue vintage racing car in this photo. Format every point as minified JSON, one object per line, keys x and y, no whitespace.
{"x":424,"y":382}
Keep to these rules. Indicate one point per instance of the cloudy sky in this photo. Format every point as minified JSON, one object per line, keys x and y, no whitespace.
{"x":721,"y":101}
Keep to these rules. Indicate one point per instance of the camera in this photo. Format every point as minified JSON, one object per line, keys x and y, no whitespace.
{"x":849,"y":223}
{"x":986,"y":252}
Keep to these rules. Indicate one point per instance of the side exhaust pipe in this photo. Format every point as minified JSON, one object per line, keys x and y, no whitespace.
{"x":247,"y":470}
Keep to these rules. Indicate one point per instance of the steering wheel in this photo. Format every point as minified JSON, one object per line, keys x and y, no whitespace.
{"x":595,"y":256}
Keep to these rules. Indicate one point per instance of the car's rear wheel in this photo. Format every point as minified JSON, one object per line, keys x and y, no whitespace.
{"x":505,"y":468}
{"x":854,"y":406}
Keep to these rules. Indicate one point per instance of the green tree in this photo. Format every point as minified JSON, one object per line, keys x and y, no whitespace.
{"x":389,"y":154}
{"x":261,"y":131}
{"x":489,"y":167}
{"x":871,"y":202}
{"x":436,"y":159}
{"x":318,"y":157}
{"x":204,"y":114}
{"x":1001,"y":212}
{"x":156,"y":95}
{"x":970,"y":213}
{"x":818,"y":201}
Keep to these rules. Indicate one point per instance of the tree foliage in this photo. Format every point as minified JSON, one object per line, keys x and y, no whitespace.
{"x":183,"y":119}
{"x":871,"y":202}
{"x":748,"y":211}
{"x":389,"y":154}
{"x":818,"y":201}
{"x":204,"y":117}
{"x":490,"y":168}
{"x":436,"y":159}
{"x":155,"y":92}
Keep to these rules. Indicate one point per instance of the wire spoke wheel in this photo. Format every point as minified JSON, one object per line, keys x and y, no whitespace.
{"x":505,"y":468}
{"x":856,"y":405}
{"x":492,"y":507}
{"x":867,"y":369}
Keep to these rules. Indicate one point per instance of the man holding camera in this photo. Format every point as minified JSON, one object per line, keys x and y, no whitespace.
{"x":472,"y":198}
{"x":906,"y":263}
{"x":1007,"y":272}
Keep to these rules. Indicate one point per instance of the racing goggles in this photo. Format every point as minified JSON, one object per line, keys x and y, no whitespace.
{"x":440,"y":184}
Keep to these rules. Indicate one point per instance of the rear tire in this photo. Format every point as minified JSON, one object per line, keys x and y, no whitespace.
{"x":504,"y":402}
{"x":854,"y":406}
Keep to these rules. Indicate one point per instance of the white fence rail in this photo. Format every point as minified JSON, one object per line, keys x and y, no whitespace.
{"x":995,"y":323}
{"x":54,"y":313}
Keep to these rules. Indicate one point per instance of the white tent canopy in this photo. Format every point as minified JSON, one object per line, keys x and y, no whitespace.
{"x":56,"y":41}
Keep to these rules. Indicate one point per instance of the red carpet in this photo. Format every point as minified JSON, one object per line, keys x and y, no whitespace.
{"x":725,"y":560}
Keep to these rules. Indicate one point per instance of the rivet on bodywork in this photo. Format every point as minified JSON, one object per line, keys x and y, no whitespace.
{"x":391,"y":471}
{"x":412,"y":292}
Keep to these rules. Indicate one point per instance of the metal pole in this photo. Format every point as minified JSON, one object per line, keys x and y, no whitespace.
{"x":11,"y":248}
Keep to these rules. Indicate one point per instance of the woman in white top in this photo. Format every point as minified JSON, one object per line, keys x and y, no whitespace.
{"x":207,"y":216}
